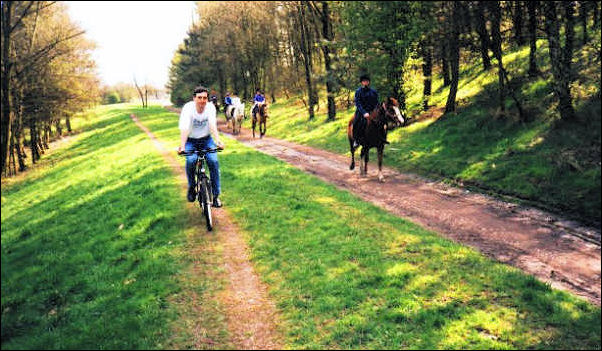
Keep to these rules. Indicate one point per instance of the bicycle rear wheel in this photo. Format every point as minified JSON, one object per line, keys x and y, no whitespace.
{"x":205,"y":202}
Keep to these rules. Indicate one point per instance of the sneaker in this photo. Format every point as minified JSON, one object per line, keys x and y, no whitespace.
{"x":217,"y":202}
{"x":191,"y":194}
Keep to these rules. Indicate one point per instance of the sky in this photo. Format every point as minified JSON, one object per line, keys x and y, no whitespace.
{"x":132,"y":37}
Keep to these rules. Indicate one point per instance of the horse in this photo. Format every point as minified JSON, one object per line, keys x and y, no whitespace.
{"x":229,"y":112}
{"x":260,"y":115}
{"x":238,"y":113}
{"x":384,"y":117}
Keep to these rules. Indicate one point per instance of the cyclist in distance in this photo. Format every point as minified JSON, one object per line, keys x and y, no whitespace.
{"x":198,"y":131}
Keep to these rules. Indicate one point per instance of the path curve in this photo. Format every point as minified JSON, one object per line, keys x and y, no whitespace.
{"x":251,"y":316}
{"x":557,"y":251}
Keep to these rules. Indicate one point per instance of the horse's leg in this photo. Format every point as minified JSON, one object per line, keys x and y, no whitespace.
{"x":263,"y":123}
{"x":352,"y":150}
{"x":380,"y":149}
{"x":362,"y":163}
{"x":254,"y":122}
{"x":366,"y":158}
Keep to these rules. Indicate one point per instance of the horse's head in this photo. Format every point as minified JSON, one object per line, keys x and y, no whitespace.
{"x":393,"y":117}
{"x":263,"y":110}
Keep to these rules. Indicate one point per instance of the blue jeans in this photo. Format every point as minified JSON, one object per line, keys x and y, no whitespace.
{"x":202,"y":144}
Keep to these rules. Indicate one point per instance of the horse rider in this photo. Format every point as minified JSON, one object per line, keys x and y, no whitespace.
{"x":213,"y":99}
{"x":198,"y":130}
{"x":366,"y":100}
{"x":235,"y":100}
{"x":259,"y":99}
{"x":227,"y":102}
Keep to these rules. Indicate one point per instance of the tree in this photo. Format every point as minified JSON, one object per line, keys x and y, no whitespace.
{"x":481,"y":27}
{"x":560,"y":57}
{"x":531,"y":8}
{"x":47,"y":76}
{"x":454,"y":55}
{"x":327,"y":38}
{"x":381,"y":34}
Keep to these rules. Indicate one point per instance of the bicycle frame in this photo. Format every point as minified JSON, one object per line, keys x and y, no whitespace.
{"x":203,"y":184}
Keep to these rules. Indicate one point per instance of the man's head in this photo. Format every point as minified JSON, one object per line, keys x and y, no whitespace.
{"x":200,"y":96}
{"x":365,"y":80}
{"x":228,"y":94}
{"x":257,"y":91}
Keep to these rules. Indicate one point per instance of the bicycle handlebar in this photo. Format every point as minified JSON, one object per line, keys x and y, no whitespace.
{"x":199,"y":152}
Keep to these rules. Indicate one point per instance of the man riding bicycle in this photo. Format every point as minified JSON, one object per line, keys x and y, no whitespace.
{"x":198,"y":131}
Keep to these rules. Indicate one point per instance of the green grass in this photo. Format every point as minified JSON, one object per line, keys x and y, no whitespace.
{"x":346,"y":274}
{"x":93,"y":241}
{"x":554,"y":165}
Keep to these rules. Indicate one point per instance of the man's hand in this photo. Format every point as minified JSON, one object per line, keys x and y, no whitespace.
{"x":366,"y":115}
{"x":181,"y":149}
{"x":220,"y":145}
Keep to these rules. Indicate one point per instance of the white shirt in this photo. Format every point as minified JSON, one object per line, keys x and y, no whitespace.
{"x":235,"y":101}
{"x":197,"y":124}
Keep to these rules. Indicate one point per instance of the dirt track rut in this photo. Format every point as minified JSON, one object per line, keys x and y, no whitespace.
{"x":251,"y":316}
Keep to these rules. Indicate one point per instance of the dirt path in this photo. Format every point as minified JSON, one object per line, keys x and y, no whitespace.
{"x":251,"y":317}
{"x":555,"y":250}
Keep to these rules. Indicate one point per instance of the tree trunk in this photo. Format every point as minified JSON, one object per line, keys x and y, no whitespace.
{"x":427,"y":72}
{"x":306,"y":53}
{"x":518,"y":23}
{"x":59,"y":129}
{"x":531,"y":7}
{"x":596,"y":14}
{"x":497,"y":51}
{"x":496,"y":37}
{"x":46,"y":138}
{"x":6,"y":74}
{"x":18,"y":132}
{"x":561,"y":80}
{"x":569,"y":28}
{"x":454,"y":55}
{"x":583,"y":7}
{"x":481,"y":27}
{"x":68,"y":124}
{"x":33,"y":142}
{"x":12,"y":167}
{"x":328,"y":37}
{"x":445,"y":63}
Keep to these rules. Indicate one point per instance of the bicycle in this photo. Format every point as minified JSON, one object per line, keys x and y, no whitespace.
{"x":203,"y":184}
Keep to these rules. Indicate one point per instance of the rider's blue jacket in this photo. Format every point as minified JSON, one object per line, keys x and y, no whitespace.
{"x":366,"y":100}
{"x":228,"y":100}
{"x":259,"y":98}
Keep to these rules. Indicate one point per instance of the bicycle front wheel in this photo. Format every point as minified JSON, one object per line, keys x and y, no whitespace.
{"x":205,"y":202}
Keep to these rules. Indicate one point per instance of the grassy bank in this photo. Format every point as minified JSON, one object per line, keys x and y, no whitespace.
{"x":346,"y":274}
{"x":93,"y":240}
{"x":550,"y":163}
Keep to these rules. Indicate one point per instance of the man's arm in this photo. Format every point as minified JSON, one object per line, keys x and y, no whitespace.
{"x":184,"y":125}
{"x":358,"y":104}
{"x":183,"y":138}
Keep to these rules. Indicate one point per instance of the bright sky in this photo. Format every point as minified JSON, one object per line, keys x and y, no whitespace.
{"x":133,"y":37}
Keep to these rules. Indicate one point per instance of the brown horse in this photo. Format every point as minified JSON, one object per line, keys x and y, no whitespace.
{"x":260,"y":115}
{"x":384,"y":117}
